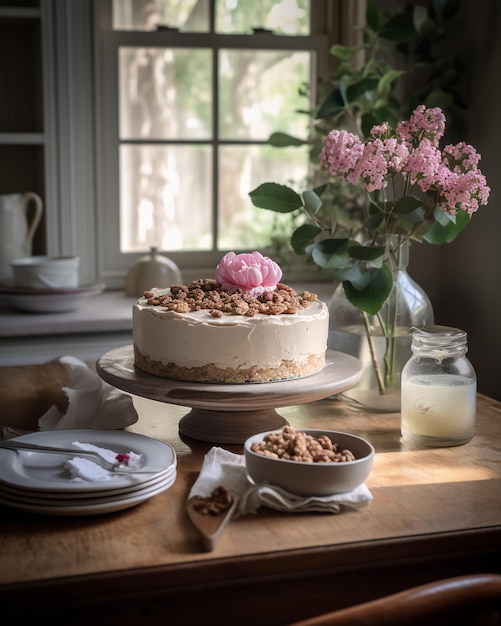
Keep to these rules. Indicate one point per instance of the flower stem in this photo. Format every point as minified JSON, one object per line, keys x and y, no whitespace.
{"x":372,"y":349}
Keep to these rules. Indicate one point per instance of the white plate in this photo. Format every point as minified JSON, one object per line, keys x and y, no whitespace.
{"x":56,"y":502}
{"x":109,"y":505}
{"x":48,"y":300}
{"x":42,"y":471}
{"x":47,"y":495}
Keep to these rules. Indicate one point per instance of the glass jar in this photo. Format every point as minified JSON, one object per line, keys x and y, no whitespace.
{"x":439,"y":389}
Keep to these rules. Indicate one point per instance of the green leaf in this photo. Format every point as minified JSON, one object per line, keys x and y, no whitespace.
{"x":374,"y":221}
{"x":332,"y":105}
{"x":376,"y":117}
{"x":368,"y":120}
{"x":386,"y":81}
{"x":423,"y":23}
{"x":445,"y":9}
{"x":442,"y":217}
{"x":342,"y":92}
{"x":400,"y":27}
{"x":372,"y":297}
{"x":439,"y":98}
{"x":320,"y":190}
{"x":275,"y":197}
{"x":303,"y":236}
{"x":372,"y":16}
{"x":312,"y":202}
{"x":361,"y":89}
{"x":415,"y":216}
{"x":407,"y":204}
{"x":341,"y":52}
{"x":357,"y":275}
{"x":331,"y":253}
{"x":366,"y":253}
{"x":439,"y":234}
{"x":282,"y":140}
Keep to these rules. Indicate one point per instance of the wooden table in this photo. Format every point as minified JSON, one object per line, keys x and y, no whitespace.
{"x":435,"y":513}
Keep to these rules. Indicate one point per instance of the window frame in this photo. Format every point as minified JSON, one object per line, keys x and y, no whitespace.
{"x":192,"y":263}
{"x":78,"y":193}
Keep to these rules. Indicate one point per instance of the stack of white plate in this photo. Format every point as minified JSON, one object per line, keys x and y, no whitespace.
{"x":39,"y":482}
{"x":47,"y":300}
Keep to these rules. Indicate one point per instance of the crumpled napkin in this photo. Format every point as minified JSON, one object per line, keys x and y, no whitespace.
{"x":222,"y":467}
{"x":84,"y":470}
{"x":92,"y":403}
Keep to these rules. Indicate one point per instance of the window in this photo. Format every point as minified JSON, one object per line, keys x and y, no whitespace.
{"x":189,"y":92}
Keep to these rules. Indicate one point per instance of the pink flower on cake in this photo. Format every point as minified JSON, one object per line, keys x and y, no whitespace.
{"x":252,"y":273}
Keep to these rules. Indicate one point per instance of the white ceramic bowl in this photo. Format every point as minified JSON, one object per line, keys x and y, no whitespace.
{"x":44,"y":272}
{"x":313,"y":479}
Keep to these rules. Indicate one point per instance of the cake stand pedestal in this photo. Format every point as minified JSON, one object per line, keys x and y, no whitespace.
{"x":229,"y":413}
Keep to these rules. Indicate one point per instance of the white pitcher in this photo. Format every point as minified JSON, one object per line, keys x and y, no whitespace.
{"x":20,"y":214}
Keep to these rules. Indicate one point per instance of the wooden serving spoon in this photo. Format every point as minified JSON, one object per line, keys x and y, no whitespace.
{"x":209,"y":525}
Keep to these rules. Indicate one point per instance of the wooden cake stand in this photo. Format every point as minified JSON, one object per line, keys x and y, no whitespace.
{"x":229,"y":413}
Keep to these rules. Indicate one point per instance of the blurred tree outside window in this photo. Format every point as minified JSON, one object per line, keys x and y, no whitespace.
{"x":200,"y":86}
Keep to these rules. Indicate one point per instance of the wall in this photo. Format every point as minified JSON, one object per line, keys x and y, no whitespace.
{"x":462,"y":278}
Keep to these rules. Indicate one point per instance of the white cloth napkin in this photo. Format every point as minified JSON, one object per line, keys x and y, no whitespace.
{"x":222,"y":467}
{"x":82,"y":469}
{"x":85,"y":470}
{"x":92,"y":403}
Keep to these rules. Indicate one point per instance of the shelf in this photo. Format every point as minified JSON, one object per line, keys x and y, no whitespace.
{"x":33,"y":139}
{"x":20,"y":12}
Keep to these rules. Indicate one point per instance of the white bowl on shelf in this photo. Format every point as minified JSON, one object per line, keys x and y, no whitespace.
{"x":44,"y":272}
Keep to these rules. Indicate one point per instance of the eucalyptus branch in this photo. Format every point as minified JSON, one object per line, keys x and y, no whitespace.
{"x":316,"y":221}
{"x":407,"y":184}
{"x":382,"y":323}
{"x":372,"y":349}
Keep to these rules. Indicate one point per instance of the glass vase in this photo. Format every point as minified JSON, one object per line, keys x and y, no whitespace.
{"x":381,"y":342}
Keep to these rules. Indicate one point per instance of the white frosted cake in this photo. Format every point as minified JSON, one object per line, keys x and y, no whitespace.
{"x":215,"y":331}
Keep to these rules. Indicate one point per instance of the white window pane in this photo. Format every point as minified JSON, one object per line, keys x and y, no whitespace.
{"x":260,"y":93}
{"x":289,"y":17}
{"x":165,"y":197}
{"x":186,"y":15}
{"x":165,"y":93}
{"x":242,"y":168}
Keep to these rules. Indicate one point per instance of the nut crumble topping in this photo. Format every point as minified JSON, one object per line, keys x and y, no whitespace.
{"x":206,"y":293}
{"x":218,"y":502}
{"x":293,"y":445}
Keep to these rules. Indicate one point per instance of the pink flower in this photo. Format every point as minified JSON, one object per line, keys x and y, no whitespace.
{"x":381,"y":131}
{"x":423,"y":123}
{"x":463,"y":192}
{"x":252,"y":273}
{"x":424,"y":165}
{"x":461,"y":157}
{"x":341,"y":152}
{"x":372,"y":168}
{"x":396,"y":153}
{"x":451,"y":176}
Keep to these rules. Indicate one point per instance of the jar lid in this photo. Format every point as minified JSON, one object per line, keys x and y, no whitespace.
{"x":438,"y":341}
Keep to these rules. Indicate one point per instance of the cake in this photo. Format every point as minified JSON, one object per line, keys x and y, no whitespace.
{"x":244,"y":326}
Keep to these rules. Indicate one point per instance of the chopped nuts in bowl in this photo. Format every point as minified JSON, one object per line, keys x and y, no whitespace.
{"x":309,"y":462}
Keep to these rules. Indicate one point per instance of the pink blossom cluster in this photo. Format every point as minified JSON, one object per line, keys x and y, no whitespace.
{"x":423,"y":124}
{"x":253,"y":273}
{"x":452,"y":174}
